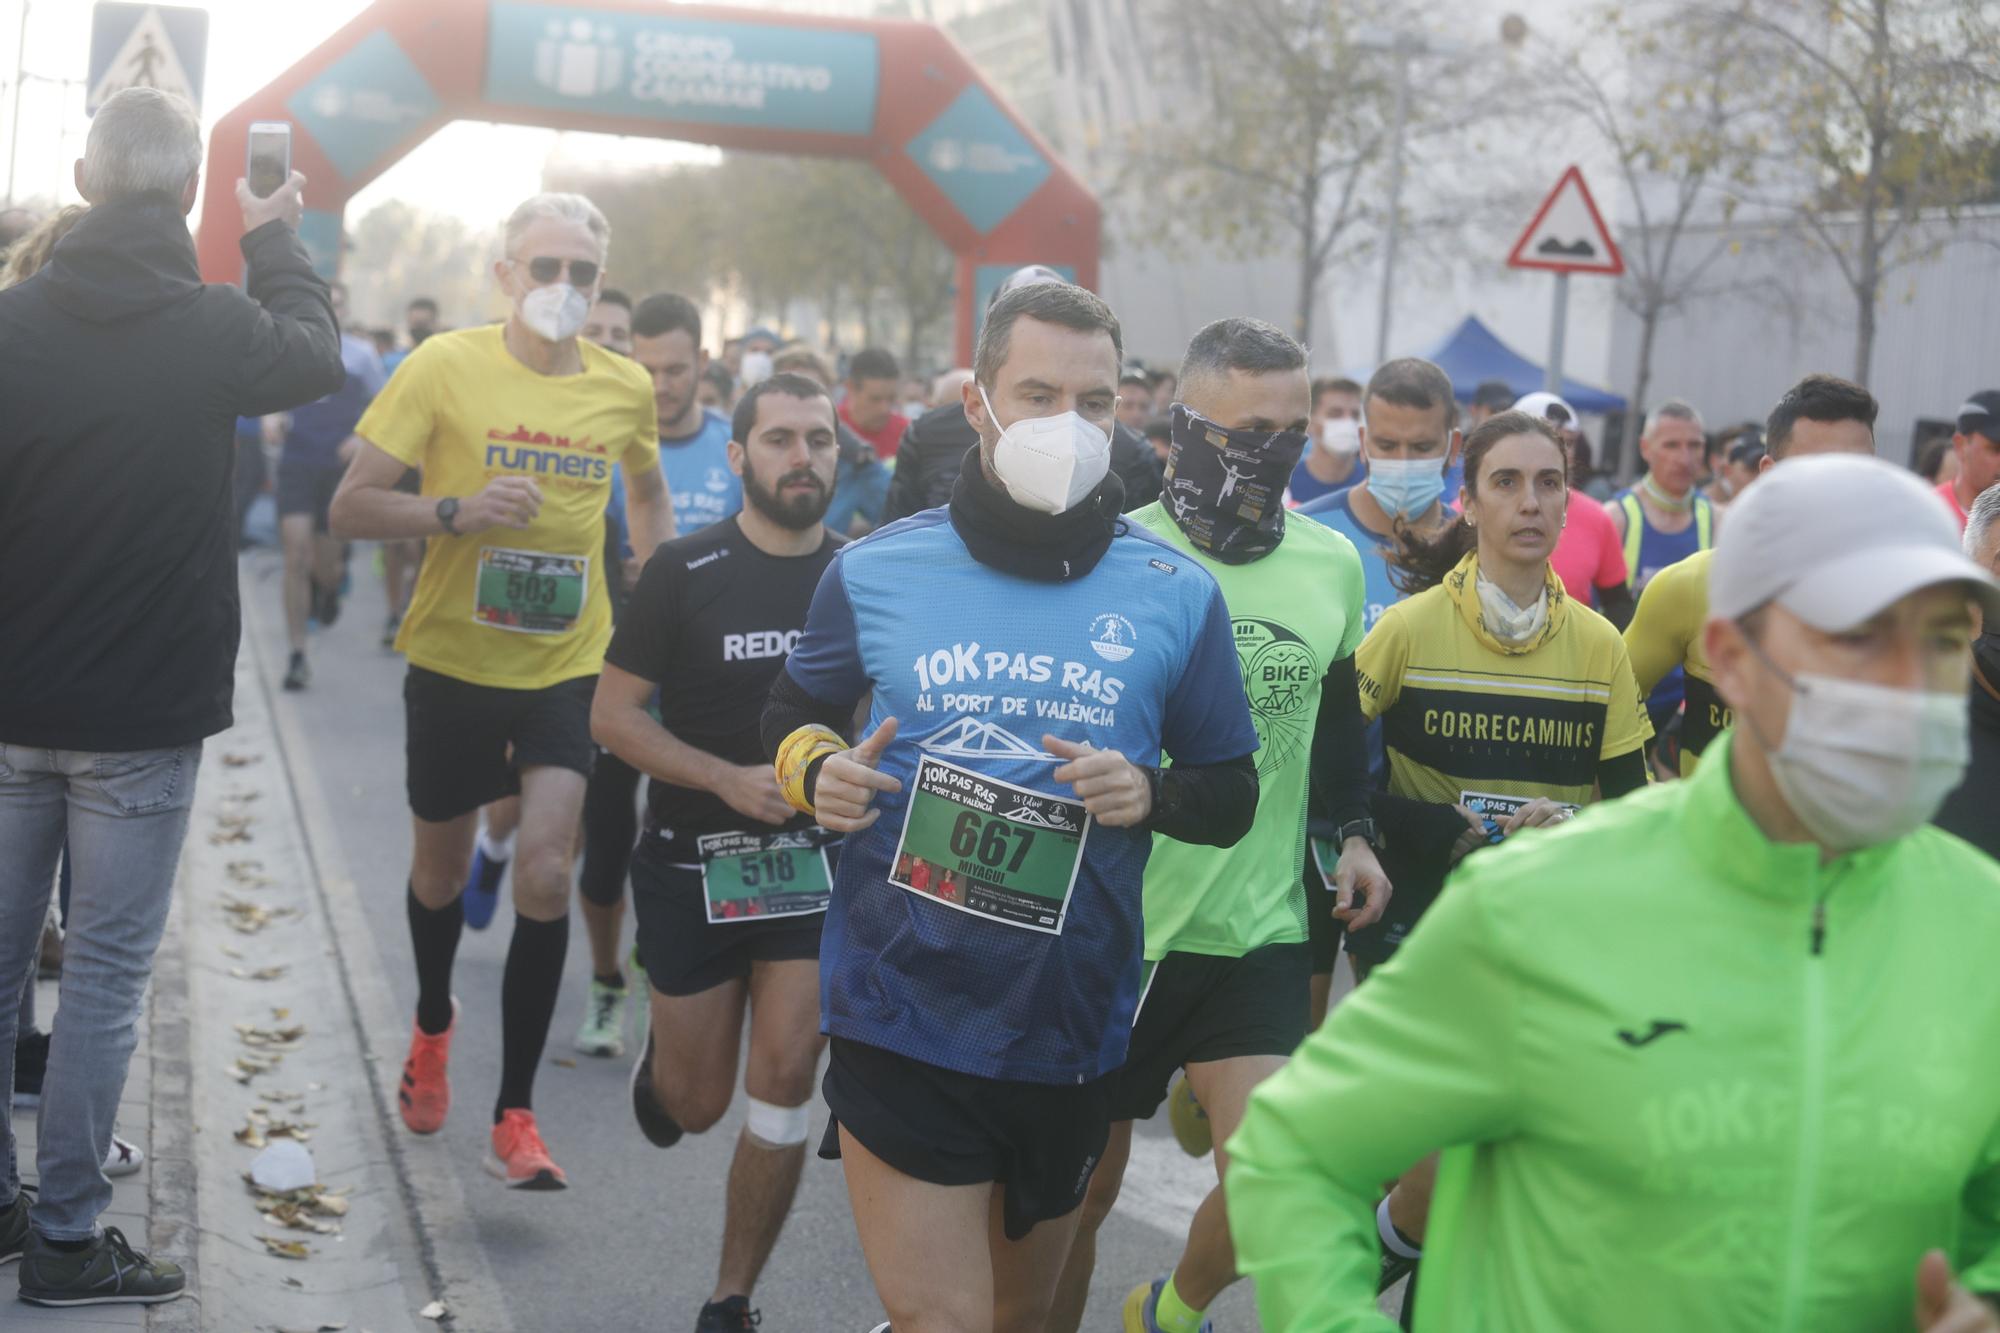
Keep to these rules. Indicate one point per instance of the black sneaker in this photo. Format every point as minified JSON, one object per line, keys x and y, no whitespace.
{"x":390,"y":629}
{"x":106,"y":1272}
{"x":31,"y":1064}
{"x":14,"y":1228}
{"x":730,"y":1315}
{"x":654,"y":1122}
{"x":298,"y":675}
{"x":326,"y":606}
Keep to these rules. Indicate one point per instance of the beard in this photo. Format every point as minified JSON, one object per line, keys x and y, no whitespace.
{"x":798,"y":512}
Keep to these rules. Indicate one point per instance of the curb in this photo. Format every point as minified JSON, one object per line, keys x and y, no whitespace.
{"x":454,"y":1267}
{"x":174,"y":1230}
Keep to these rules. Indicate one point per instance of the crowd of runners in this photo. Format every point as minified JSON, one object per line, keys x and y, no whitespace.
{"x":1658,"y":830}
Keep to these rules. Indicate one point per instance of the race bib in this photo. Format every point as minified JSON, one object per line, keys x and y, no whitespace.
{"x":990,"y":848}
{"x":757,"y":876}
{"x":1493,"y":809}
{"x":530,"y":592}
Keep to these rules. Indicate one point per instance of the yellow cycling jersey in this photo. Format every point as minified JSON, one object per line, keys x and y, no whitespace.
{"x":1666,"y":633}
{"x":1463,"y":712}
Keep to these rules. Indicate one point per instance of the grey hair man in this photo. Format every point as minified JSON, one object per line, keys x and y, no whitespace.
{"x":121,"y":649}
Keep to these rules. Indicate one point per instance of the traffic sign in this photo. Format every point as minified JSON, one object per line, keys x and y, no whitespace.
{"x":149,"y":46}
{"x":1568,"y":234}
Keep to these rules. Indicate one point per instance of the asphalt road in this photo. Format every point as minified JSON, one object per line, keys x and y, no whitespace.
{"x":632,"y":1243}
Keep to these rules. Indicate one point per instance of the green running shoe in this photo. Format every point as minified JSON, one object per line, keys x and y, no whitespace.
{"x":603,"y":1030}
{"x":107,"y":1272}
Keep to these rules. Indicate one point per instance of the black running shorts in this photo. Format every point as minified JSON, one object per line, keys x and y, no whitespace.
{"x":1323,"y":929}
{"x":467,"y":744}
{"x":684,"y":952}
{"x":306,"y":486}
{"x":1200,"y":1007}
{"x":1040,"y":1141}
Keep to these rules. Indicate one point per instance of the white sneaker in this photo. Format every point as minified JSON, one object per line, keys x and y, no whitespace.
{"x":124,"y":1159}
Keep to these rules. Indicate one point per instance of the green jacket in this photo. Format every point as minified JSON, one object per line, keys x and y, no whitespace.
{"x":1685,"y":1079}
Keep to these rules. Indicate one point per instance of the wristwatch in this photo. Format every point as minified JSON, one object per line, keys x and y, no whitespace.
{"x":1363,"y":829}
{"x":447,"y":512}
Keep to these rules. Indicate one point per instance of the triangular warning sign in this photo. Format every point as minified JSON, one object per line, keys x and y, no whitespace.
{"x":145,"y":59}
{"x":1568,"y":234}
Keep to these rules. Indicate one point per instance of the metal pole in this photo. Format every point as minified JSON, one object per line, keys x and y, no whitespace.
{"x":1405,"y":47}
{"x":20,"y":77}
{"x":1558,"y":322}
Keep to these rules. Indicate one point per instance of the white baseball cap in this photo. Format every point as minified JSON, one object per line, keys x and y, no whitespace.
{"x":1835,"y":538}
{"x":1547,"y":406}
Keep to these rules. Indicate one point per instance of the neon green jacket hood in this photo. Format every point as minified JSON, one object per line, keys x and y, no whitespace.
{"x":1685,"y":1079}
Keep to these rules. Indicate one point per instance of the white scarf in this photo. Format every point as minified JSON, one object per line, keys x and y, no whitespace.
{"x":1511,"y":624}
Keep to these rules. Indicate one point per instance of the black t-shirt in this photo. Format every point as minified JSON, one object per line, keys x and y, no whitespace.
{"x":711,"y":623}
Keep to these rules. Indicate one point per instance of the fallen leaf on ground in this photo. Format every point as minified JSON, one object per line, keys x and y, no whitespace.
{"x":240,"y":760}
{"x":261,"y":974}
{"x":285,"y":1249}
{"x":564,"y":1061}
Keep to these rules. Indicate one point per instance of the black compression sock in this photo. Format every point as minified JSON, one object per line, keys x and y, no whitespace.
{"x":434,"y":942}
{"x":528,"y":992}
{"x":615,"y":979}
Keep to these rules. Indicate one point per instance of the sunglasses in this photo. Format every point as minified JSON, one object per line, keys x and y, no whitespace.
{"x":582,"y":272}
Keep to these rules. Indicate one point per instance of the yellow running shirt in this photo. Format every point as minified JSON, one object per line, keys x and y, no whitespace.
{"x":523,"y":608}
{"x":1666,"y":633}
{"x":1463,"y":713}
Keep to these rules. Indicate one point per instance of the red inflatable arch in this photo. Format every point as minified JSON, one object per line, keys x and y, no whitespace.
{"x":900,"y":94}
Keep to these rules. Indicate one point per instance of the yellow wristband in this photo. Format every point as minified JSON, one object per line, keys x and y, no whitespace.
{"x":795,"y":759}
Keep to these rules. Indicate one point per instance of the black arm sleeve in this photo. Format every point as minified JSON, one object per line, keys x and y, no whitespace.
{"x":1616,"y":604}
{"x":1625,"y":773}
{"x":1339,"y":762}
{"x":1209,"y":804}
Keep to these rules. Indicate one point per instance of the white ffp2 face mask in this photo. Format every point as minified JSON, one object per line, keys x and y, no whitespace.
{"x":1340,"y":436}
{"x":1865,"y":764}
{"x":556,"y":312}
{"x":1049,"y":464}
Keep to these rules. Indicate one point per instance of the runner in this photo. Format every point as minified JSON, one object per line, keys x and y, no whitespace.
{"x":1504,"y":703}
{"x":694,"y":440}
{"x":729,"y":882}
{"x":1663,"y":518}
{"x":1029,"y":656}
{"x":1674,"y":1053}
{"x":1589,"y":557}
{"x":1226,"y":934}
{"x":515,"y":427}
{"x":1410,"y":444}
{"x":1334,"y":461}
{"x":1820,"y":414}
{"x":309,"y":468}
{"x":1976,"y":445}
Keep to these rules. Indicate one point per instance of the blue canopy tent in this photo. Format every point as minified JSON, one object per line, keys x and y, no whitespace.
{"x":1472,"y":355}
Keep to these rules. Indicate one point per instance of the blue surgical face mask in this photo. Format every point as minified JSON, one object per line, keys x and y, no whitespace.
{"x":1406,"y":487}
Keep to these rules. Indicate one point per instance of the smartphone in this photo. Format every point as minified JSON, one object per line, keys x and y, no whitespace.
{"x":270,"y":164}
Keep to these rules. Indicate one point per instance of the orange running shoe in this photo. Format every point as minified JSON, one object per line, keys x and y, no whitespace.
{"x":520,"y":1159}
{"x":425,"y":1095}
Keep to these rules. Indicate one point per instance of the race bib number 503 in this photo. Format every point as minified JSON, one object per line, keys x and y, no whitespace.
{"x":530,"y":592}
{"x":990,"y":848}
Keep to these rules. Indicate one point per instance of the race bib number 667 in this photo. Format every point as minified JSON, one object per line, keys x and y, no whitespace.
{"x":990,"y":848}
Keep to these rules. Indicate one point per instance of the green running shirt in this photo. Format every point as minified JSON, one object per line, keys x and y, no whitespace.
{"x":1684,"y":1078}
{"x":1295,"y":613}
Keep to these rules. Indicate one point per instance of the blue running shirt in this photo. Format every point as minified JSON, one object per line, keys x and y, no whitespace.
{"x":696,"y":466}
{"x":975,"y":666}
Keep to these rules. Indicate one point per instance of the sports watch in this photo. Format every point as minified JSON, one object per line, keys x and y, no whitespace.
{"x":1363,"y":829}
{"x":447,"y":512}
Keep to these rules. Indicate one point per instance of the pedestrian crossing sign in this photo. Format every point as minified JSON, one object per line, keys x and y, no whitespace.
{"x":146,"y":46}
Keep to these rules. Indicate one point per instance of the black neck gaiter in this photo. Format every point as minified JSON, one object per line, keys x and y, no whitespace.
{"x":1049,"y":548}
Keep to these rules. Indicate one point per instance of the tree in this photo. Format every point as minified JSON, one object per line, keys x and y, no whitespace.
{"x":1883,"y":105}
{"x":396,"y":252}
{"x":1673,"y":106}
{"x":1281,"y":156}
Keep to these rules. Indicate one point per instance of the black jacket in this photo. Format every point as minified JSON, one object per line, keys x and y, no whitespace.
{"x":121,"y":378}
{"x":934,"y":446}
{"x":1973,"y":811}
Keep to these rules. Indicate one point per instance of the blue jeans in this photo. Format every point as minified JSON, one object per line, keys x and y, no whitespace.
{"x":126,"y":816}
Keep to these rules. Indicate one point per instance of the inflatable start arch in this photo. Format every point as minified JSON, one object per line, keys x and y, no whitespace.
{"x":899,"y":94}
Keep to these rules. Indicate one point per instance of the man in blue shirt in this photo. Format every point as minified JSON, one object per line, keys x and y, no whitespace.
{"x":1031,"y":659}
{"x":309,"y":469}
{"x":1333,"y":461}
{"x":694,"y":441}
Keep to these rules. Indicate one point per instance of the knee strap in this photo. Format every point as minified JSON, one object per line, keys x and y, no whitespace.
{"x":778,"y":1126}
